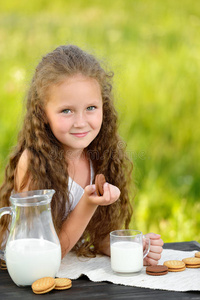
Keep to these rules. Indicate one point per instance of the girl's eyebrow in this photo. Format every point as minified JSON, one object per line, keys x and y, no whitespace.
{"x":71,"y":106}
{"x":64,"y":106}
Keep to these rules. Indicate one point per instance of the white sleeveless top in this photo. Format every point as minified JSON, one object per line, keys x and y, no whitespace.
{"x":76,"y":191}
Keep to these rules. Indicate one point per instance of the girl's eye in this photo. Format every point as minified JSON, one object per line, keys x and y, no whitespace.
{"x":91,"y":108}
{"x":66,"y":111}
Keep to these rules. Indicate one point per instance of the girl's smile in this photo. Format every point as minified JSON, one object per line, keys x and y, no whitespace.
{"x":74,"y":111}
{"x":80,"y":134}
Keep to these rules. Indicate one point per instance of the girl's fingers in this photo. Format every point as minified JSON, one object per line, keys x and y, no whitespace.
{"x":150,"y":262}
{"x":153,"y":236}
{"x":106,"y":194}
{"x":155,"y":239}
{"x":110,"y":195}
{"x":156,"y":249}
{"x":114,"y":191}
{"x":90,"y":189}
{"x":153,"y":255}
{"x":158,"y":243}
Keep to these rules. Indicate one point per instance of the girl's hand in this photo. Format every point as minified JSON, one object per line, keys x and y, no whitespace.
{"x":110,"y":195}
{"x":155,"y":251}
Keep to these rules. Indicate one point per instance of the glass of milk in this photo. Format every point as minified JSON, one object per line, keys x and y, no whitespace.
{"x":128,"y":249}
{"x":33,"y":249}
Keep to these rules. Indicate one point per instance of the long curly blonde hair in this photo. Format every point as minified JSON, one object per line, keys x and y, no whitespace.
{"x":47,"y":168}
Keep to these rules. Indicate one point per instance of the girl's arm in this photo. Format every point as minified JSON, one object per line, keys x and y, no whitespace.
{"x":105,"y":245}
{"x":77,"y":221}
{"x":74,"y":226}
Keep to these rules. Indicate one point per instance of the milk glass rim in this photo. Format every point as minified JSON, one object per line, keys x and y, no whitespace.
{"x":32,"y":198}
{"x":135,"y":233}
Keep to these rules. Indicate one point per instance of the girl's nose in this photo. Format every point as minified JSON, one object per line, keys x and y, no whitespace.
{"x":79,"y":120}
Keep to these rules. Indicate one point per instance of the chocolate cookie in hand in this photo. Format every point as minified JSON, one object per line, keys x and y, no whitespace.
{"x":99,"y":182}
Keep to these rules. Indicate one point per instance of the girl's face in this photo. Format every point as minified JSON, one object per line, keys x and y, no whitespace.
{"x":74,"y":111}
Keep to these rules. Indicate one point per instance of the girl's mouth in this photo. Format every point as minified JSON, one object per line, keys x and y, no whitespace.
{"x":80,"y":134}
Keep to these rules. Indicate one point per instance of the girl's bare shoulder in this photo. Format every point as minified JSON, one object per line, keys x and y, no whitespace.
{"x":23,"y":161}
{"x":21,"y":170}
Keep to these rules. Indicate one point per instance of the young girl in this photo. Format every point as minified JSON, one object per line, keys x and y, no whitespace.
{"x":69,"y":135}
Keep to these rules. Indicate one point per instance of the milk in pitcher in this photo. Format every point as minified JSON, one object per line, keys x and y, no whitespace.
{"x":30,"y":259}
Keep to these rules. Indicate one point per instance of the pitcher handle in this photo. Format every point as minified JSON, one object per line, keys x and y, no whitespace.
{"x":146,"y":245}
{"x":4,"y":211}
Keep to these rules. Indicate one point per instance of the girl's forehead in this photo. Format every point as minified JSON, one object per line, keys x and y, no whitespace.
{"x":77,"y":78}
{"x":75,"y":88}
{"x":79,"y":81}
{"x":75,"y":83}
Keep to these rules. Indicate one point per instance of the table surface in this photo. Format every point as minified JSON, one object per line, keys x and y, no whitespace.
{"x":83,"y":288}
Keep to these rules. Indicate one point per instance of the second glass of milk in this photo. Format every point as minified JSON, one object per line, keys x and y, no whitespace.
{"x":127,"y":252}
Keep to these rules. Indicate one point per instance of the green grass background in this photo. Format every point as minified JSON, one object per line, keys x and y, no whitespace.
{"x":153,"y":47}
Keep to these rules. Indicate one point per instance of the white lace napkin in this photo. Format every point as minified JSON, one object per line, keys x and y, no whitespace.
{"x":98,"y":269}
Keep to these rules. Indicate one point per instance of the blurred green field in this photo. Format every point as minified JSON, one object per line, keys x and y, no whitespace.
{"x":153,"y":47}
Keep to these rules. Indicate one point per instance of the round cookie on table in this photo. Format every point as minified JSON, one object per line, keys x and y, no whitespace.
{"x":47,"y":284}
{"x":175,"y":265}
{"x":43,"y":285}
{"x":157,"y":270}
{"x":197,"y":254}
{"x":62,"y":283}
{"x":192,"y":262}
{"x":3,"y":265}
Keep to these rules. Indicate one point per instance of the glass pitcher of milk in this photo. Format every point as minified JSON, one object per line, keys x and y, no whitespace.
{"x":33,"y":249}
